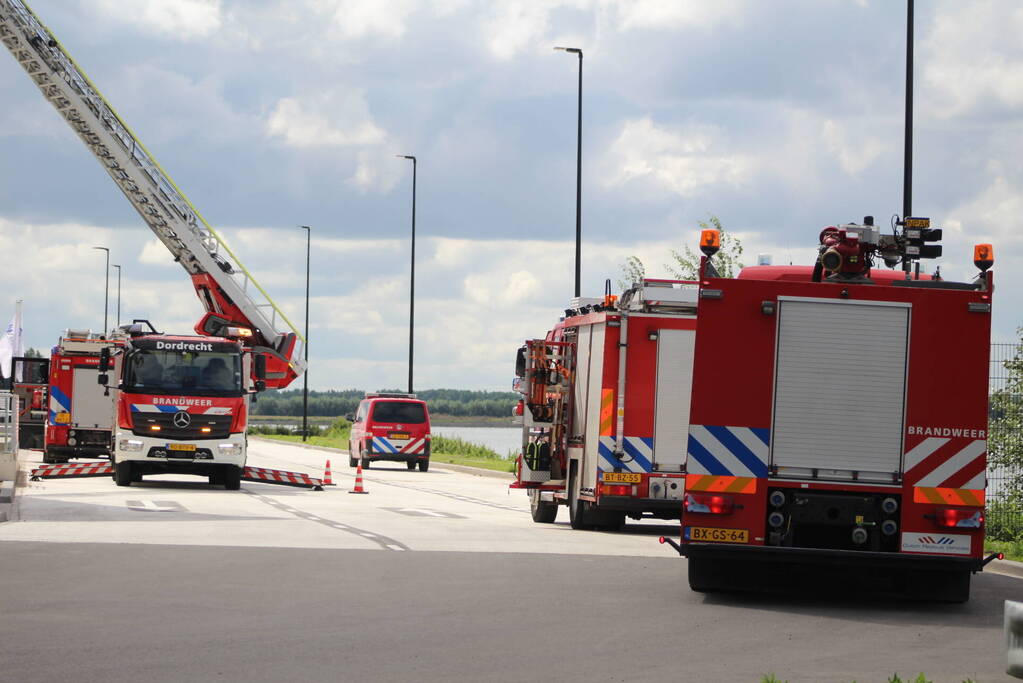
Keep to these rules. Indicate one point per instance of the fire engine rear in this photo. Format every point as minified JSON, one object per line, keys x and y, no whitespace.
{"x":79,"y":420}
{"x":839,"y":420}
{"x":605,"y":407}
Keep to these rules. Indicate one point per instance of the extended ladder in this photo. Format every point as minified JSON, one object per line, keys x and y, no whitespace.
{"x":164,"y":208}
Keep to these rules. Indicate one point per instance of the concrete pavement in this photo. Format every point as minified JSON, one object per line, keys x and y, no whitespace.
{"x":172,"y":580}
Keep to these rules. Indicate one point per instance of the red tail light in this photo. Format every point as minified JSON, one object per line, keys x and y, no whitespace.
{"x":710,"y":503}
{"x":616,"y":489}
{"x":963,"y":518}
{"x":518,"y":408}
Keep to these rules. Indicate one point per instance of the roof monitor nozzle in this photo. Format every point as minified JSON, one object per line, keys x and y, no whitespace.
{"x":868,"y":220}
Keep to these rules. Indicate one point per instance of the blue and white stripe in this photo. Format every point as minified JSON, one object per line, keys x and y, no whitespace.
{"x":638,"y":455}
{"x":59,"y":403}
{"x":384,"y":445}
{"x":728,"y":451}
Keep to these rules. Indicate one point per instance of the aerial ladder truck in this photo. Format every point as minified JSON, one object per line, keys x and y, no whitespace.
{"x":170,"y":412}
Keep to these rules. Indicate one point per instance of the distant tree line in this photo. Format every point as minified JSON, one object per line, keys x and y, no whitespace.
{"x":332,"y":403}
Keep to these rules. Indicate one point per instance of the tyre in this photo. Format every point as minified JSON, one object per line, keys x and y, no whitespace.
{"x":702,"y":573}
{"x":232,"y":477}
{"x":424,"y":465}
{"x":136,"y":476}
{"x":364,"y":460}
{"x":542,"y":511}
{"x":576,"y":512}
{"x":122,"y":474}
{"x":411,"y":464}
{"x":352,"y":460}
{"x":50,"y":457}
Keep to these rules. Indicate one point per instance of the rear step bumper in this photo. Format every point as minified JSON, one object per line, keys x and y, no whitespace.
{"x":629,"y":504}
{"x":822,"y":556}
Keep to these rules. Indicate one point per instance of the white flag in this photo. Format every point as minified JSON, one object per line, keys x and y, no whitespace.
{"x":11,"y":344}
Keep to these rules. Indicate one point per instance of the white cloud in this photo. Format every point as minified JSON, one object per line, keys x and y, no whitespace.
{"x":178,"y":19}
{"x":684,"y":162}
{"x":972,"y":57}
{"x":154,"y":253}
{"x":359,"y":18}
{"x":665,"y":16}
{"x":376,"y":170}
{"x":340,"y":120}
{"x":853,"y":157}
{"x":515,"y":26}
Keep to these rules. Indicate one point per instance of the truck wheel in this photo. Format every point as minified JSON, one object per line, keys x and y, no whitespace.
{"x":352,"y":460}
{"x":576,"y":513}
{"x":411,"y":464}
{"x":364,"y":460}
{"x":424,"y":465}
{"x":136,"y":476}
{"x":50,"y":457}
{"x":232,"y":477}
{"x":701,"y":575}
{"x":122,"y":474}
{"x":542,"y":511}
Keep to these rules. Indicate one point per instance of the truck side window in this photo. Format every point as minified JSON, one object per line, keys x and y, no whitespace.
{"x":361,"y":415}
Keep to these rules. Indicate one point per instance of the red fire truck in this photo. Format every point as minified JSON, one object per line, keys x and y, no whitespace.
{"x":605,"y":407}
{"x":28,"y":383}
{"x":839,"y":420}
{"x":241,"y":322}
{"x":79,"y":419}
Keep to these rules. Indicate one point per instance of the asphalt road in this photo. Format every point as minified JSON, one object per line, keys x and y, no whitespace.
{"x":174,"y":581}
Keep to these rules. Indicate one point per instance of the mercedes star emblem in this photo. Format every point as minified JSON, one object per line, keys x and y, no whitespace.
{"x":182,"y":419}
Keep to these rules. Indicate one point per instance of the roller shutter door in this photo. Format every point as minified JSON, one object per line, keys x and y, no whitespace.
{"x":840,"y":386}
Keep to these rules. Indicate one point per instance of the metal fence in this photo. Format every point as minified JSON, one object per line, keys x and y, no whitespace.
{"x":8,"y":436}
{"x":1005,"y":482}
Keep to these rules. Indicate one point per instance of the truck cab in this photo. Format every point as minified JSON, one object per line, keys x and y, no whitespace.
{"x":181,"y":407}
{"x":391,"y":427}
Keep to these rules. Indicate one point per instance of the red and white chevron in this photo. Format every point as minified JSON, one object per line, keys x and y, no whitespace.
{"x":953,"y":463}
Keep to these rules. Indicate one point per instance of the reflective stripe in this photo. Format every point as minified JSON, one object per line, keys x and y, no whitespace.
{"x":706,"y":482}
{"x":946,"y":496}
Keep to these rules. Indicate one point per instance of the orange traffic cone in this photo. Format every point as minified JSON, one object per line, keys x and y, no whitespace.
{"x":358,"y":481}
{"x":327,"y":481}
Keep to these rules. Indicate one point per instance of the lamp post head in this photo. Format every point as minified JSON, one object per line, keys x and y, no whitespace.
{"x":306,"y":227}
{"x":103,"y":248}
{"x":406,"y":156}
{"x":574,"y":50}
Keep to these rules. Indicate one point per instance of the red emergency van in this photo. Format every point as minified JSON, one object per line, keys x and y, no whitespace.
{"x":391,"y":427}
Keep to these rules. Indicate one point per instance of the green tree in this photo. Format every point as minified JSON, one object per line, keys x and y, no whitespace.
{"x":1005,"y":429}
{"x":685,"y":264}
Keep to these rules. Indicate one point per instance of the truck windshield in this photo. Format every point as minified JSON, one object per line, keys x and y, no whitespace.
{"x":183,"y":372}
{"x":399,"y":412}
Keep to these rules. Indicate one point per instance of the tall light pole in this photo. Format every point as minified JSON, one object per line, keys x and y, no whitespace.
{"x":106,"y":292}
{"x":305,"y":347}
{"x":578,"y":174}
{"x":907,"y":158}
{"x":114,"y":265}
{"x":412,"y":276}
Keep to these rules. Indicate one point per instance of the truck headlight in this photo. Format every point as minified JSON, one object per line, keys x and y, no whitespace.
{"x":230,"y":449}
{"x":130,"y":445}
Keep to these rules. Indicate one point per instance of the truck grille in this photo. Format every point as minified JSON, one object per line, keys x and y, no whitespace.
{"x":219,"y":426}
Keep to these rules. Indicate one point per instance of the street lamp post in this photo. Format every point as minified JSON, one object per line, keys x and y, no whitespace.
{"x":578,"y":173}
{"x":106,"y":291}
{"x":114,"y":265}
{"x":305,"y":375}
{"x":412,"y":276}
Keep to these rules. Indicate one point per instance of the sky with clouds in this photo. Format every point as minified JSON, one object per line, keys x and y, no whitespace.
{"x":780,"y":117}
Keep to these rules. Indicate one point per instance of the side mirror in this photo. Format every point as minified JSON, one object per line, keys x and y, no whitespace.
{"x":260,"y":385}
{"x":350,"y":417}
{"x":103,"y":378}
{"x":104,"y":360}
{"x":261,"y":369}
{"x":520,"y":362}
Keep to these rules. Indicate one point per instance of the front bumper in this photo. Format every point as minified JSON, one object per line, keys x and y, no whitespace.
{"x":147,"y":451}
{"x":824,"y":557}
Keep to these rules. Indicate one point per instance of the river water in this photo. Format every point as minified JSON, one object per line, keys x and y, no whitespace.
{"x":500,"y":439}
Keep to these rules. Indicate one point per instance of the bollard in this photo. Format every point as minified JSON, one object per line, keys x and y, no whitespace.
{"x":1014,"y":637}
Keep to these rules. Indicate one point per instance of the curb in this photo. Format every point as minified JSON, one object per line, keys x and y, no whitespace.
{"x":465,"y":469}
{"x":1006,"y":568}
